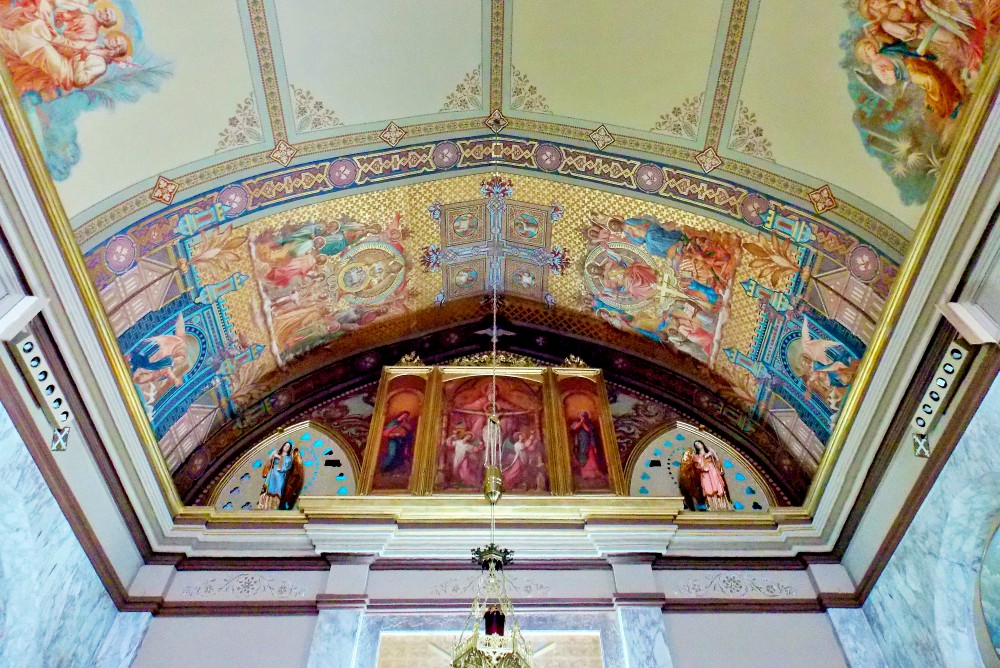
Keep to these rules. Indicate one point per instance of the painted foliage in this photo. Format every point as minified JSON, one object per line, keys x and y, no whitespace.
{"x":403,"y":407}
{"x":911,"y":66}
{"x":66,"y":57}
{"x":467,"y":405}
{"x":670,"y":283}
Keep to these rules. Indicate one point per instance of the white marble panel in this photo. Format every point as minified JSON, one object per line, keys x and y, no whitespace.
{"x":644,"y":637}
{"x":856,"y":638}
{"x":122,"y":642}
{"x":54,"y":610}
{"x":335,"y":639}
{"x":921,"y":608}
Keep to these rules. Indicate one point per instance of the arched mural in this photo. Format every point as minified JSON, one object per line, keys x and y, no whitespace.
{"x":305,"y":459}
{"x":681,"y":460}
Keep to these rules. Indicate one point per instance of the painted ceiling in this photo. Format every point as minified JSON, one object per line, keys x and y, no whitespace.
{"x":263,"y":188}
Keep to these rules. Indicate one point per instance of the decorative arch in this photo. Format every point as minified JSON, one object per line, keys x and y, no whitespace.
{"x":651,"y":469}
{"x":331,"y":467}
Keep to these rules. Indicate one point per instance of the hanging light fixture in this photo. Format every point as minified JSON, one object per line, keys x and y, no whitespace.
{"x":495,"y":639}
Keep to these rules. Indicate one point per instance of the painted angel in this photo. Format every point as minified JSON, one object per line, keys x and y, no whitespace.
{"x":702,"y":480}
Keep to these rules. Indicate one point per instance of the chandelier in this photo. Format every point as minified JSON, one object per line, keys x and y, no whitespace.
{"x":495,"y":639}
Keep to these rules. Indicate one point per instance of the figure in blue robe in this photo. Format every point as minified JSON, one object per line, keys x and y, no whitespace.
{"x":398,"y":435}
{"x":649,"y":233}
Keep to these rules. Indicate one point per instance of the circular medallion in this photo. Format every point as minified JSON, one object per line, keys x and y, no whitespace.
{"x":465,"y":224}
{"x":465,"y":278}
{"x":235,"y":199}
{"x":548,"y":157}
{"x":621,"y":275}
{"x":370,"y":272}
{"x":524,"y":279}
{"x":751,"y":208}
{"x":863,"y":263}
{"x":342,"y":172}
{"x":446,"y":155}
{"x":649,"y":178}
{"x":525,"y":226}
{"x":120,"y":254}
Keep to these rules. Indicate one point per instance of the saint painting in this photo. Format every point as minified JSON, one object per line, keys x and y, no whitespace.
{"x":588,"y":461}
{"x":702,"y":479}
{"x":283,"y":479}
{"x":912,"y":65}
{"x":667,"y":282}
{"x":398,"y":434}
{"x":69,"y":56}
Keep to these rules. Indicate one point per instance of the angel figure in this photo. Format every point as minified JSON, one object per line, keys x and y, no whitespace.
{"x":158,"y":368}
{"x":283,"y":479}
{"x":702,"y":480}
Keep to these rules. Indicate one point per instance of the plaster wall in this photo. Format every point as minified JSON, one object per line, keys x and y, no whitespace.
{"x":752,"y":640}
{"x":214,"y":642}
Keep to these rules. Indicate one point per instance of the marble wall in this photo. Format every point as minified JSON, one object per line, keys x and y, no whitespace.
{"x":54,"y":611}
{"x":921,"y":609}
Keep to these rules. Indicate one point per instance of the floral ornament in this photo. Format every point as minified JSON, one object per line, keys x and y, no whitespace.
{"x":734,"y":585}
{"x":430,"y":258}
{"x":525,"y":96}
{"x":310,"y":114}
{"x":435,"y":211}
{"x":557,"y":212}
{"x":748,"y":136}
{"x":244,"y":585}
{"x":243,"y":128}
{"x":558,"y":260}
{"x":496,"y":187}
{"x":467,"y":95}
{"x":774,"y":261}
{"x":439,"y":299}
{"x":682,"y":121}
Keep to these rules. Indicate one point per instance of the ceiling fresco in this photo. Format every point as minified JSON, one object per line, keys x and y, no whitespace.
{"x":261,"y":188}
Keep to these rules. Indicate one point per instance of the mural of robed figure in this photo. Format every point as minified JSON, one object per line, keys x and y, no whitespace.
{"x":398,"y":436}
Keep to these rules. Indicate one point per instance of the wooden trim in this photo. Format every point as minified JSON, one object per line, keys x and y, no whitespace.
{"x":24,"y":422}
{"x":731,"y":563}
{"x":744,"y":605}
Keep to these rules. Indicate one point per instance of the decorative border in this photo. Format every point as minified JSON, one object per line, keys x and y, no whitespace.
{"x":711,"y":196}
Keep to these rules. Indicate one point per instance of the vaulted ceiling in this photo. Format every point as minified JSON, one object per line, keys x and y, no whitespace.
{"x":724,"y":190}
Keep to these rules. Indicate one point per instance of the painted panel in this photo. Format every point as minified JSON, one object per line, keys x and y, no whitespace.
{"x":571,"y":63}
{"x":466,"y":405}
{"x":584,"y":414}
{"x":371,"y":62}
{"x":404,"y":405}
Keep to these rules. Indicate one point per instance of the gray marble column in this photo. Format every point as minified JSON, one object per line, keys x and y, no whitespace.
{"x":335,"y":638}
{"x":644,"y":636}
